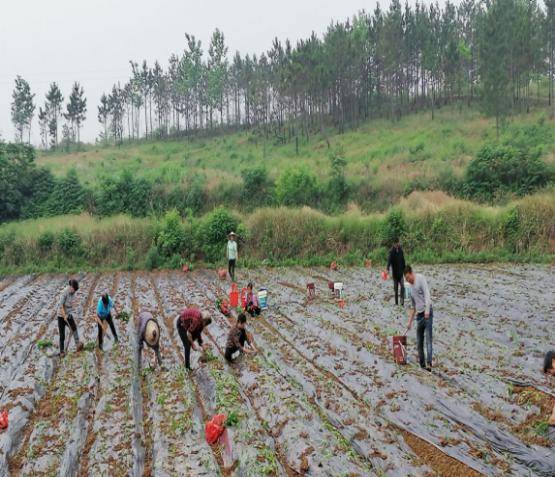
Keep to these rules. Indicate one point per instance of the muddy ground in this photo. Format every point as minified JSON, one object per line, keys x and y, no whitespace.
{"x":322,"y":398}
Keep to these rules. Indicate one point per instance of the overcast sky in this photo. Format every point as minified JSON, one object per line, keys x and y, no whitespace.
{"x":92,"y":41}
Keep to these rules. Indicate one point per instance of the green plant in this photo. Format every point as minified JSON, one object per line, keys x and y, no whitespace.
{"x":297,"y":186}
{"x":131,"y":258}
{"x":90,"y":346}
{"x":257,"y":188}
{"x":153,"y":259}
{"x":501,"y":169}
{"x":394,"y":228}
{"x":232,"y":419}
{"x":123,"y":316}
{"x":542,"y":428}
{"x":213,"y":231}
{"x":171,"y":238}
{"x":45,"y":241}
{"x":69,"y":243}
{"x":43,"y":344}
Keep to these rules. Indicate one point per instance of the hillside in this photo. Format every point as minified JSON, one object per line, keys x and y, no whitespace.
{"x":408,"y":179}
{"x":385,"y":159}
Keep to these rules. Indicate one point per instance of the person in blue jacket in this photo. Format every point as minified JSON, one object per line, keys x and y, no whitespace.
{"x":104,"y":317}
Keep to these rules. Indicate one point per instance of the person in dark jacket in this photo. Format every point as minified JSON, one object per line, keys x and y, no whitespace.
{"x":396,"y":262}
{"x":237,"y":338}
{"x":190,"y":324}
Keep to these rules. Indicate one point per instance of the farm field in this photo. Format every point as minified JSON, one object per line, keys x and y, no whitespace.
{"x":323,"y":397}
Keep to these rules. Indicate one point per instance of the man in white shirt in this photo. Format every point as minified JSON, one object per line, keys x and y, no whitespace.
{"x":423,"y":310}
{"x":232,"y":254}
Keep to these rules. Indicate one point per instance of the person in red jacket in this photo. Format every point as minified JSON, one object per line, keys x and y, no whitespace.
{"x":190,"y":325}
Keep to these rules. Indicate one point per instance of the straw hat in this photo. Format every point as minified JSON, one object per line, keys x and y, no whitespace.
{"x":232,"y":234}
{"x":152,"y":333}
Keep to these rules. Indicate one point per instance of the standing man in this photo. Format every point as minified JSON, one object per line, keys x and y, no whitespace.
{"x":148,"y":331}
{"x":396,"y":262}
{"x":66,"y":313}
{"x":422,"y":308}
{"x":190,"y":324}
{"x":237,"y":338}
{"x":103,"y":316}
{"x":232,"y":254}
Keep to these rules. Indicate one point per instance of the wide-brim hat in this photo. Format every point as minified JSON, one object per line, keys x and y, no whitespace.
{"x":152,"y":333}
{"x":232,"y":234}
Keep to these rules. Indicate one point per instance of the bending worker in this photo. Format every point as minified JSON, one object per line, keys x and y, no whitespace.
{"x":190,"y":325}
{"x":104,"y":318}
{"x":66,"y":315}
{"x":237,"y":338}
{"x":148,"y":331}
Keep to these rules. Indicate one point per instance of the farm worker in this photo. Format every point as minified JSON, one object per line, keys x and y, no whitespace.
{"x":237,"y":338}
{"x":232,"y":254}
{"x":253,"y":307}
{"x":549,"y":363}
{"x":103,"y":317}
{"x":396,"y":262}
{"x":422,"y":308}
{"x":66,"y":315}
{"x":549,"y":368}
{"x":190,"y":325}
{"x":148,"y":331}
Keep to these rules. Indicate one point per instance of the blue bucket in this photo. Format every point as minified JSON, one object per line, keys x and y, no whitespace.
{"x":263,"y":298}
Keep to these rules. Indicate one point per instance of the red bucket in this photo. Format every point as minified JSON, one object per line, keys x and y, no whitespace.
{"x":400,"y":349}
{"x":385,"y":276}
{"x":234,"y":296}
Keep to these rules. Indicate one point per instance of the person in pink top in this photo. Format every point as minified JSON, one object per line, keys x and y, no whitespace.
{"x":253,"y":307}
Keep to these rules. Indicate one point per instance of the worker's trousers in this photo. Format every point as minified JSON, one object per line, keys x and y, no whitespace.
{"x":424,"y":331}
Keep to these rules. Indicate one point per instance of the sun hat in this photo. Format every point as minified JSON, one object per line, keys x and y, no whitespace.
{"x":152,"y":333}
{"x":232,"y":233}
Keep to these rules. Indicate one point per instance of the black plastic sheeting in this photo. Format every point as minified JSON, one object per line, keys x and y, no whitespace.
{"x":323,"y":398}
{"x":421,"y":391}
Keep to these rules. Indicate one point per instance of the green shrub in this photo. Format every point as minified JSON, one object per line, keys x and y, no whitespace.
{"x":172,"y":237}
{"x":213,"y":231}
{"x":67,"y":196}
{"x":257,"y":188}
{"x":500,"y":169}
{"x":395,"y":227}
{"x":45,"y":241}
{"x":123,"y":194}
{"x":297,"y":186}
{"x":6,"y":239}
{"x":153,"y":259}
{"x":130,"y":258}
{"x":69,"y":243}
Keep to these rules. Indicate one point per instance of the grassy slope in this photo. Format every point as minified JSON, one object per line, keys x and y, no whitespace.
{"x":384,"y":155}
